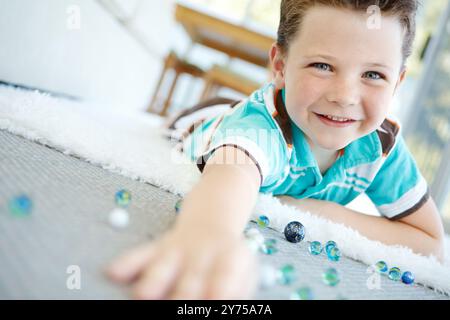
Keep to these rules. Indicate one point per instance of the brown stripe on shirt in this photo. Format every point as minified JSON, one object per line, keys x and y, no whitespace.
{"x":202,"y":105}
{"x":282,"y":118}
{"x":388,"y":138}
{"x":202,"y":160}
{"x":416,"y":207}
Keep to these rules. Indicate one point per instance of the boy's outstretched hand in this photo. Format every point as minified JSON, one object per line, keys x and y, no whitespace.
{"x":189,"y":265}
{"x":204,"y":256}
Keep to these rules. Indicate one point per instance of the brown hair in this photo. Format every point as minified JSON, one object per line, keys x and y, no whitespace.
{"x":293,"y":12}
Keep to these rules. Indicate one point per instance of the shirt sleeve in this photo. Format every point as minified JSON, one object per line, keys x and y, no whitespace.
{"x":252,"y":129}
{"x":399,"y":189}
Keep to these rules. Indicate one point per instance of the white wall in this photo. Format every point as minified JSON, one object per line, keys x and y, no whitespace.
{"x":103,"y":60}
{"x":99,"y":61}
{"x":151,"y":20}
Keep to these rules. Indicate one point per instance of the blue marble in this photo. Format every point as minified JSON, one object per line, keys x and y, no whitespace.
{"x":381,"y":267}
{"x":331,"y":277}
{"x":21,"y":205}
{"x":287,"y":274}
{"x":407,"y":277}
{"x":123,"y":198}
{"x":294,"y":232}
{"x":395,"y":274}
{"x":263,"y":221}
{"x":334,"y":254}
{"x":330,"y":244}
{"x":315,"y":248}
{"x":303,"y":293}
{"x":178,"y":206}
{"x":269,"y":247}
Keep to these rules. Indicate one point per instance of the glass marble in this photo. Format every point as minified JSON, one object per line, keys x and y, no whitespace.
{"x":178,"y":206}
{"x":294,"y":232}
{"x":263,"y":221}
{"x":334,"y":254}
{"x":331,"y":277}
{"x":268,"y":276}
{"x":303,"y":293}
{"x":255,"y":235}
{"x":287,"y":274}
{"x":330,"y":244}
{"x":269,"y":250}
{"x":269,"y":247}
{"x":395,"y":274}
{"x":20,"y":205}
{"x":381,"y":267}
{"x":315,"y":248}
{"x":123,"y":198}
{"x":252,"y":232}
{"x":407,"y":277}
{"x":252,"y":245}
{"x":119,"y":218}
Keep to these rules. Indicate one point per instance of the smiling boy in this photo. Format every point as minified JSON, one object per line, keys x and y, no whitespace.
{"x":330,"y":139}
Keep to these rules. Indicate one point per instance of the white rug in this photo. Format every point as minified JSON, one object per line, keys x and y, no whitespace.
{"x":133,"y":145}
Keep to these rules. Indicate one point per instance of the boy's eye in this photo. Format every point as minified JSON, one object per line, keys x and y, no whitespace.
{"x":374,"y":75}
{"x":321,"y":66}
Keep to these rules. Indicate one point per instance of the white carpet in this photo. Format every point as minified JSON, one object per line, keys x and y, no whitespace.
{"x":132,"y":145}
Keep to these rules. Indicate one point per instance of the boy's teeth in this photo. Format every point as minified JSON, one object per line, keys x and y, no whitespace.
{"x":337,"y":118}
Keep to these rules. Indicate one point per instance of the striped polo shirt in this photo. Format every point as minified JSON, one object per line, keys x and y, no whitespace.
{"x":378,"y":164}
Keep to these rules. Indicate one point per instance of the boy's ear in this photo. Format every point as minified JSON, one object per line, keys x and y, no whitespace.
{"x":277,"y":63}
{"x":401,"y":78}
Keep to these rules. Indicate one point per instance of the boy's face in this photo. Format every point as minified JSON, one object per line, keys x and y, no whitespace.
{"x":347,"y":84}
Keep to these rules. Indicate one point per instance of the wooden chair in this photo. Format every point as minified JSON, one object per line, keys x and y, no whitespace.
{"x":236,"y":41}
{"x":179,"y":66}
{"x":219,"y":76}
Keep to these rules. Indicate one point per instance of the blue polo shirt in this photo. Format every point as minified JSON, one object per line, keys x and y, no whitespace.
{"x":378,"y":164}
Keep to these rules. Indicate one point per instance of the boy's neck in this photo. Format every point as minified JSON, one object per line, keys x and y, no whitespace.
{"x":325,"y":158}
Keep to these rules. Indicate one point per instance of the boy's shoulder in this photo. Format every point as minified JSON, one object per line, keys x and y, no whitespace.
{"x":388,"y":133}
{"x":260,"y":109}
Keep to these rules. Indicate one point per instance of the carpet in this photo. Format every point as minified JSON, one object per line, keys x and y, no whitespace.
{"x":133,"y":145}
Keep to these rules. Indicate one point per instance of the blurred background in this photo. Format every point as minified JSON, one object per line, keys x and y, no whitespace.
{"x":162,"y":56}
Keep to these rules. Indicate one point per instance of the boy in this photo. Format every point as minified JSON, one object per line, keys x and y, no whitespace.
{"x":325,"y":115}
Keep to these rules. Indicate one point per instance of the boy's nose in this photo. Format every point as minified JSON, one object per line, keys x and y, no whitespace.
{"x":344,"y":93}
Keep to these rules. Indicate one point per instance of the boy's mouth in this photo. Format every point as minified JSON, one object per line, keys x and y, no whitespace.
{"x":335,"y":120}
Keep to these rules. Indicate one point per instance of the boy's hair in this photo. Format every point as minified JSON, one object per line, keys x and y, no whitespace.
{"x":293,"y":12}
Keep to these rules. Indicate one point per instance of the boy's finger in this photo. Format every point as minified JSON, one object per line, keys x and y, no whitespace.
{"x":191,"y":283}
{"x":224,"y":279}
{"x":127,"y":267}
{"x":189,"y":287}
{"x":248,"y":280}
{"x":157,"y":280}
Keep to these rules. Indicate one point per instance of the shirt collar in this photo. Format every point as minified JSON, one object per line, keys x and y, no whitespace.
{"x":364,"y":150}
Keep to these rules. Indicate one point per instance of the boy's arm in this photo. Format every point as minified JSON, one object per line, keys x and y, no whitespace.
{"x":421,"y":231}
{"x":226,"y":194}
{"x":203,"y":255}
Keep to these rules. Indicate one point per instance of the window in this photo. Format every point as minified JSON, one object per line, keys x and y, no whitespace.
{"x":428,"y":123}
{"x":262,"y":13}
{"x":265,"y":13}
